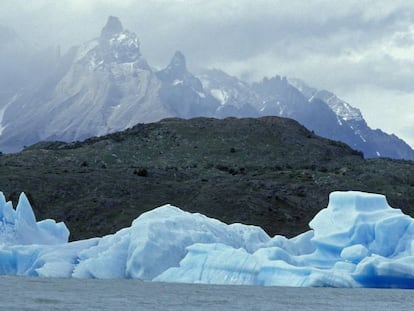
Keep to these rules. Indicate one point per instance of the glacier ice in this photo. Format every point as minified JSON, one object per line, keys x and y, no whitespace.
{"x":358,"y":240}
{"x":20,"y":227}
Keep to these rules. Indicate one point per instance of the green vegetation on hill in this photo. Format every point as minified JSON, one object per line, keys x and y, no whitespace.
{"x":270,"y":172}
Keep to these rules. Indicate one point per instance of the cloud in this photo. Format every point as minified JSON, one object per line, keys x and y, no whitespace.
{"x":217,"y":29}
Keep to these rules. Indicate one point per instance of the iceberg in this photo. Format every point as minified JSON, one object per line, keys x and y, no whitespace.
{"x":20,"y":227}
{"x":358,"y":240}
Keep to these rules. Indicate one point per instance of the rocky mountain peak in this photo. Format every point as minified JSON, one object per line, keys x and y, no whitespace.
{"x":340,"y":107}
{"x":176,"y":69}
{"x":115,"y":44}
{"x":178,"y":61}
{"x":274,"y":86}
{"x":112,"y":27}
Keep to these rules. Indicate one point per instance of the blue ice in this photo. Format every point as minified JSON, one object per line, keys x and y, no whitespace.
{"x":358,"y":240}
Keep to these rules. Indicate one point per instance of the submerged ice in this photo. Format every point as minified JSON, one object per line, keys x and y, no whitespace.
{"x":357,"y":241}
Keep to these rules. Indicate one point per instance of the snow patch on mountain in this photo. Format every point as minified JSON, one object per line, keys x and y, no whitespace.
{"x":2,"y":126}
{"x":341,"y":108}
{"x":3,"y":111}
{"x":220,"y":95}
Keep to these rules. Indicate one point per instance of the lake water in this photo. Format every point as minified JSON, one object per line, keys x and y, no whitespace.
{"x":21,"y":293}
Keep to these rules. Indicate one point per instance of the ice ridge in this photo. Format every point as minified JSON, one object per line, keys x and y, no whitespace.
{"x":358,"y":240}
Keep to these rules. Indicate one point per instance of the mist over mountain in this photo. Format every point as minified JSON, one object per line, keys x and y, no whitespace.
{"x":13,"y":59}
{"x":106,"y":85}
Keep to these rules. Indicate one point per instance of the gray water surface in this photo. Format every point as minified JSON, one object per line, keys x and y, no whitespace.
{"x":21,"y":293}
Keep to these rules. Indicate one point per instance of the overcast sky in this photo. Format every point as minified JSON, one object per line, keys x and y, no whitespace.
{"x":361,"y":50}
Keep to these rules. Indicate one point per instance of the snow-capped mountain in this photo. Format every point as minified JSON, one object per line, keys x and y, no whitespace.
{"x":342,"y":109}
{"x":235,"y":96}
{"x":106,"y":85}
{"x":102,"y":86}
{"x":319,"y":110}
{"x":374,"y":143}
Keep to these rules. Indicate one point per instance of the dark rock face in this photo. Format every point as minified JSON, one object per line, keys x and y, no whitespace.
{"x":112,"y":27}
{"x":176,"y":69}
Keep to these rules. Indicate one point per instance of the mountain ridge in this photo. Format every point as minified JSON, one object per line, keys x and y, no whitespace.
{"x":106,"y":85}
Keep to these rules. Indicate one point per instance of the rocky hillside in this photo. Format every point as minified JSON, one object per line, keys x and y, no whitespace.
{"x":270,"y":171}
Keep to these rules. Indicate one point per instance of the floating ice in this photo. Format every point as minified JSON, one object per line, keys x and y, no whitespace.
{"x":20,"y":227}
{"x":357,"y":241}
